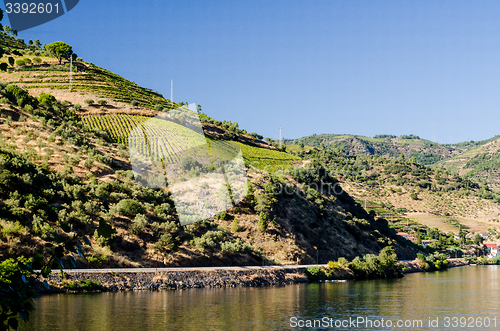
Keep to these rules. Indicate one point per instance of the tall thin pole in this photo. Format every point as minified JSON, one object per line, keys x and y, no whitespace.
{"x":71,"y":73}
{"x":172,"y":92}
{"x":280,"y":136}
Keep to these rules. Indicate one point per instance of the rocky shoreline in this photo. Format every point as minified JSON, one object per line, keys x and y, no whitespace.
{"x":172,"y":280}
{"x":413,"y":266}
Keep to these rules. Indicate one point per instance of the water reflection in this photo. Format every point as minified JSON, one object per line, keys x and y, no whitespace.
{"x":460,"y":292}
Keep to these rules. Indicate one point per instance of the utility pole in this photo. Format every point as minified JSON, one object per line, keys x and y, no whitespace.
{"x":71,"y":73}
{"x":280,"y":137}
{"x":172,"y":92}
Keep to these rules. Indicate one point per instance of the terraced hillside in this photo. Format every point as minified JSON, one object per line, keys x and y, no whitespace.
{"x":481,"y":163}
{"x":425,"y":151}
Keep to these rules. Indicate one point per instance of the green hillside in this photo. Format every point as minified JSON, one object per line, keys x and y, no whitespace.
{"x":66,"y":171}
{"x":66,"y":166}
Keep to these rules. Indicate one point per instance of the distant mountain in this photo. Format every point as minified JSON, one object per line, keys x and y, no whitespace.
{"x":479,"y":159}
{"x":481,"y":163}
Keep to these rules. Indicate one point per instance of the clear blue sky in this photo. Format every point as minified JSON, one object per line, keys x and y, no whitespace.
{"x":358,"y":67}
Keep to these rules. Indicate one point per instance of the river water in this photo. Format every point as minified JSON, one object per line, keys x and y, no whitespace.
{"x":465,"y":298}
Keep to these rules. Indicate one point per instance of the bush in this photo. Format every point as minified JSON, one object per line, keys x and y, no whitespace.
{"x":130,"y":208}
{"x":102,"y":102}
{"x":237,"y":246}
{"x":78,"y":107}
{"x":315,"y":273}
{"x":343,"y":261}
{"x":28,"y":109}
{"x":222,"y":216}
{"x":20,"y":62}
{"x":139,"y":223}
{"x":11,"y":229}
{"x":46,"y":99}
{"x":158,"y":107}
{"x":89,"y":102}
{"x":134,"y":103}
{"x":37,"y":60}
{"x":262,"y":223}
{"x":165,"y":243}
{"x":208,"y":240}
{"x":333,"y":265}
{"x":235,"y":227}
{"x":189,"y":163}
{"x":372,"y":266}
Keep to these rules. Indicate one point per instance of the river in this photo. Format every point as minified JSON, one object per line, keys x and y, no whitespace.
{"x":464,"y":298}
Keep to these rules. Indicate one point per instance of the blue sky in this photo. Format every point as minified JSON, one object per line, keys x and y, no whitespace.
{"x":430,"y":68}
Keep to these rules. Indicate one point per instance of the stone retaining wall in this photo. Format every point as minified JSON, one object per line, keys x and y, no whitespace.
{"x":144,"y":280}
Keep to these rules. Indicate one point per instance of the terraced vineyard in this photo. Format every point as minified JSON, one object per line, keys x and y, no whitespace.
{"x":88,"y":79}
{"x":160,"y":139}
{"x":267,"y":159}
{"x":118,"y":126}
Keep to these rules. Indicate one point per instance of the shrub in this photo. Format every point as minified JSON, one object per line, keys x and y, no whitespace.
{"x":37,"y":60}
{"x":372,"y":266}
{"x":237,"y":246}
{"x":262,"y":223}
{"x":222,"y":216}
{"x":28,"y":109}
{"x":89,"y":102}
{"x":102,"y":102}
{"x":170,"y":226}
{"x":315,"y":273}
{"x":164,"y":208}
{"x":20,"y":62}
{"x":158,"y":107}
{"x":165,"y":243}
{"x":11,"y":229}
{"x":235,"y":227}
{"x":333,"y":265}
{"x":46,"y":99}
{"x":78,"y":107}
{"x":139,"y":223}
{"x":343,"y":261}
{"x":130,"y":208}
{"x":134,"y":103}
{"x":189,"y":163}
{"x":208,"y":240}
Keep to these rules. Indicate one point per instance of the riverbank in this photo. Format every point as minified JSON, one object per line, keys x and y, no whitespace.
{"x":150,"y":279}
{"x":157,"y":280}
{"x":414,"y":266}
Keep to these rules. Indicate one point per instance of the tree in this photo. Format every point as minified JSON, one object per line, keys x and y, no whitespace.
{"x":478,"y":239}
{"x":60,"y":49}
{"x":198,"y":109}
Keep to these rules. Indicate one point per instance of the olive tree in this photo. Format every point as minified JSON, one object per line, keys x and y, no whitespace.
{"x":60,"y":49}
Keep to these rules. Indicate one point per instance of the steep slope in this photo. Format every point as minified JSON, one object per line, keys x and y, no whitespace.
{"x":425,"y":151}
{"x":481,"y":163}
{"x":61,"y":173}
